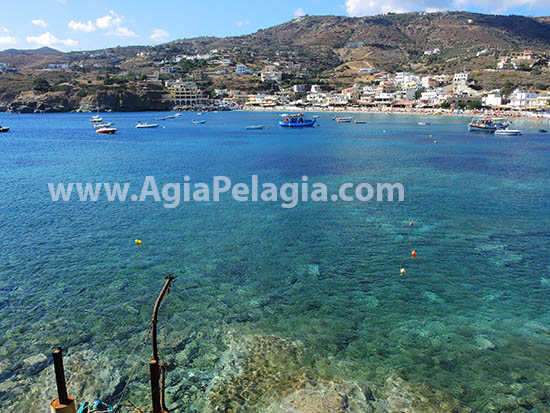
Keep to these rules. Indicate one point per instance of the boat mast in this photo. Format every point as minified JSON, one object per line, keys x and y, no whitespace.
{"x":154,"y":366}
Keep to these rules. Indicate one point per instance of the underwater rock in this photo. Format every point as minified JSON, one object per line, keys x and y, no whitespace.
{"x":404,"y":397}
{"x":545,"y":282}
{"x":434,"y":298}
{"x":34,"y":364}
{"x":271,"y":375}
{"x":483,"y":343}
{"x":324,"y":397}
{"x":537,"y":327}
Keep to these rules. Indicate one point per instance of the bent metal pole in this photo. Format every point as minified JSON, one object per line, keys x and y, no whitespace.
{"x":154,"y":364}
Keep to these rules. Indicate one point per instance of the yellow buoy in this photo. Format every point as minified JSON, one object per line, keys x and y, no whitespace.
{"x":403,"y":271}
{"x":138,"y":242}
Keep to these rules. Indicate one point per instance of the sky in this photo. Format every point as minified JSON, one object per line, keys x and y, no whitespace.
{"x":86,"y":25}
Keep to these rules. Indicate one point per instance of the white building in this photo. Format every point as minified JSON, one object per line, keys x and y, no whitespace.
{"x":460,"y":77}
{"x":520,"y":99}
{"x":316,"y":89}
{"x":185,"y":93}
{"x":241,"y":69}
{"x":493,"y":98}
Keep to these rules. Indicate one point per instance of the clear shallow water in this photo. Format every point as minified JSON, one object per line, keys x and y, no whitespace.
{"x":325,"y":274}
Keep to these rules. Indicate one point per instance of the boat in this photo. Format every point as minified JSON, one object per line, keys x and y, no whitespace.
{"x":177,"y":114}
{"x":103,"y":125}
{"x":543,"y":131}
{"x":169,"y":117}
{"x":297,"y":121}
{"x":501,"y":123}
{"x":4,"y":129}
{"x":484,"y":124}
{"x":106,"y":131}
{"x":96,"y":119}
{"x":508,"y":132}
{"x":343,"y":120}
{"x":255,"y":127}
{"x":198,"y":122}
{"x":359,"y":122}
{"x":145,"y":125}
{"x":424,"y":123}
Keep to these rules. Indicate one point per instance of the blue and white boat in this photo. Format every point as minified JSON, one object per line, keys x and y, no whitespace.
{"x":297,"y":121}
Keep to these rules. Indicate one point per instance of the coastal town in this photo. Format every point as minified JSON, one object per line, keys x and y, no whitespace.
{"x":257,"y":72}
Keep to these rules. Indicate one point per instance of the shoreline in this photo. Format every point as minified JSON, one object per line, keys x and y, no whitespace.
{"x":394,"y":111}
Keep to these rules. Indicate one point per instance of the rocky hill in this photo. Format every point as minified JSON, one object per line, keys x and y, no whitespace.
{"x":331,"y":49}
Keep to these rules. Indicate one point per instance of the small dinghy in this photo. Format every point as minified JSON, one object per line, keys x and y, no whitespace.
{"x":198,"y":122}
{"x":4,"y":129}
{"x":508,"y":132}
{"x":424,"y":123}
{"x":255,"y":127}
{"x":359,"y":122}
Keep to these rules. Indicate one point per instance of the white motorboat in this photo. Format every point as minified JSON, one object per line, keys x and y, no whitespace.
{"x":146,"y":125}
{"x":255,"y":127}
{"x":106,"y":131}
{"x":103,"y":125}
{"x":508,"y":132}
{"x":198,"y":122}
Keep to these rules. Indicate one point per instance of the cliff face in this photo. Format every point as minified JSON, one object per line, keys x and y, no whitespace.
{"x":52,"y":102}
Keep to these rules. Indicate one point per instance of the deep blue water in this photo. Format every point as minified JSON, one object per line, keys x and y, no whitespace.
{"x":325,"y":274}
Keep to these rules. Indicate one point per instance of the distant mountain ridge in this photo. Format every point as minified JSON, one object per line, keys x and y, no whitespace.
{"x":40,"y":51}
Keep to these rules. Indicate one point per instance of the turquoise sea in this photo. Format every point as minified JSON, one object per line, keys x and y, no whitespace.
{"x":470,"y":320}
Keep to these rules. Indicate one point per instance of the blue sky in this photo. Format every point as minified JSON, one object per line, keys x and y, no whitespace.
{"x":84,"y":25}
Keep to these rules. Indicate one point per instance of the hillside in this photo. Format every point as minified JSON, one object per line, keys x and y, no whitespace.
{"x":329,"y":50}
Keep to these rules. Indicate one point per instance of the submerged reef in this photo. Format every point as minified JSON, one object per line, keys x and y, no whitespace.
{"x":273,"y":375}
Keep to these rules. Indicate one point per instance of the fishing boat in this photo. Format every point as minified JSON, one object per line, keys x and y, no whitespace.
{"x":344,"y":120}
{"x":198,"y":122}
{"x":106,"y":131}
{"x":103,"y":125}
{"x":4,"y":129}
{"x":297,"y":121}
{"x":359,"y":122}
{"x":255,"y":127}
{"x":146,"y":125}
{"x":484,"y":124}
{"x":508,"y":132}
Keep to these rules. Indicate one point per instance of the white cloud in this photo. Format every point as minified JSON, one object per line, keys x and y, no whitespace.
{"x":299,"y":12}
{"x":7,"y":40}
{"x":109,"y":21}
{"x":241,"y":23}
{"x":160,"y":35}
{"x":48,"y":39}
{"x":122,"y":32}
{"x":82,"y":27}
{"x":4,"y":29}
{"x":113,"y":23}
{"x":39,"y":23}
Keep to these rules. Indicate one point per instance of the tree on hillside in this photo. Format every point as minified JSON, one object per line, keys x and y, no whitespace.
{"x":40,"y":85}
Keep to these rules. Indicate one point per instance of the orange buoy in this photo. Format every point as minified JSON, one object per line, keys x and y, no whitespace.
{"x":411,"y":224}
{"x":413,"y":254}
